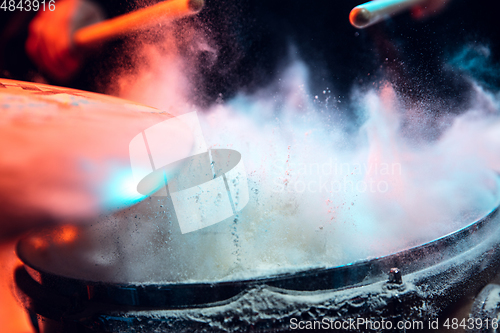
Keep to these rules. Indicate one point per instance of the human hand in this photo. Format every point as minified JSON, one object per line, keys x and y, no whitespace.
{"x":49,"y":43}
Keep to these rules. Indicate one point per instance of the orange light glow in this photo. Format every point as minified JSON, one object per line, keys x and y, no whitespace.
{"x":66,"y":234}
{"x":39,"y":243}
{"x":13,"y":318}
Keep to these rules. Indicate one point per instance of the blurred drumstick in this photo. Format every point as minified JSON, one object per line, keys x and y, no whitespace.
{"x":375,"y":11}
{"x":66,"y":154}
{"x":140,"y":19}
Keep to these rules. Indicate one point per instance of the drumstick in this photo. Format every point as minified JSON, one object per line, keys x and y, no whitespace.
{"x":140,"y":19}
{"x":372,"y":12}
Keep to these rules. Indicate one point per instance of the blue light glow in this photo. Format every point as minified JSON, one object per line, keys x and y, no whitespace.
{"x":120,"y":191}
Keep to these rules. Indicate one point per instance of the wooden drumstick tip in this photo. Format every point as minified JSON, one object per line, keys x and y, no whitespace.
{"x":140,"y":19}
{"x":196,"y":5}
{"x":360,"y":17}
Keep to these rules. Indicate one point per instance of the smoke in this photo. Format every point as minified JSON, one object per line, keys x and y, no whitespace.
{"x":326,"y":196}
{"x":324,"y":190}
{"x":323,"y":194}
{"x":475,"y":61}
{"x":161,"y":66}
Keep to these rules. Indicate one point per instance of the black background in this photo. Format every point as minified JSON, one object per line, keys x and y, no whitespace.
{"x":255,"y":38}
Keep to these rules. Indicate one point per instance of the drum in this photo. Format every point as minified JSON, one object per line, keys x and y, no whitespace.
{"x":142,"y":262}
{"x":67,"y":289}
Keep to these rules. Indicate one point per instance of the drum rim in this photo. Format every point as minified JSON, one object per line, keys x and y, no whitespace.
{"x":358,"y":273}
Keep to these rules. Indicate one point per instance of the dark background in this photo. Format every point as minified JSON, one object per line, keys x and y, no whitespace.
{"x":339,"y":55}
{"x":424,"y":59}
